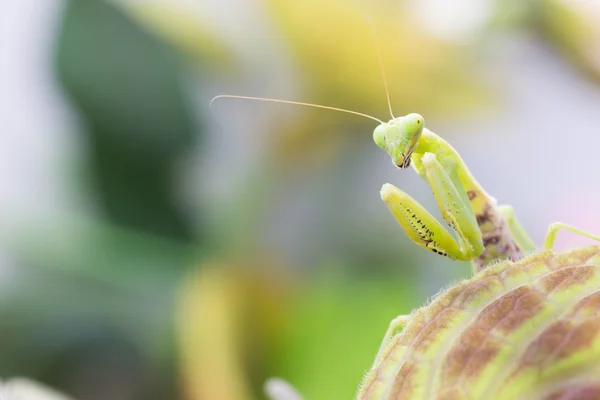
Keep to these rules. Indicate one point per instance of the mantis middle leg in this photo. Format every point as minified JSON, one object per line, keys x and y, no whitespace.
{"x":556,"y":226}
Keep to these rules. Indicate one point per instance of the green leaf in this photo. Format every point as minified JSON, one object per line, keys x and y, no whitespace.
{"x":127,"y":86}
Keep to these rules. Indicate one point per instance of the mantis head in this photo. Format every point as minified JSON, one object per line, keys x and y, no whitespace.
{"x":400,"y":137}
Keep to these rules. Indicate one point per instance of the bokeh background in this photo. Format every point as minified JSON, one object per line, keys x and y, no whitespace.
{"x":155,"y":248}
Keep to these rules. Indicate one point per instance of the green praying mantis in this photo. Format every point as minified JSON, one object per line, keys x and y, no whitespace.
{"x":485,"y":231}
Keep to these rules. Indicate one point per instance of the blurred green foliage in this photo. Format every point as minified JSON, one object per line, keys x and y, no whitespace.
{"x":90,"y":309}
{"x":128,"y":87}
{"x":335,"y":330}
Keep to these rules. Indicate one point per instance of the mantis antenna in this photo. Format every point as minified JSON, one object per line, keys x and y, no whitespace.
{"x":378,"y":48}
{"x":230,"y":96}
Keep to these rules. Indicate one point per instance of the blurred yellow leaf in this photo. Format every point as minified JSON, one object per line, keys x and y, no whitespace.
{"x":209,"y":337}
{"x":230,"y":314}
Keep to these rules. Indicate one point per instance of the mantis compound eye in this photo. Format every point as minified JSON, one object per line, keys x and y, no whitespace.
{"x":415,"y":119}
{"x":379,"y":136}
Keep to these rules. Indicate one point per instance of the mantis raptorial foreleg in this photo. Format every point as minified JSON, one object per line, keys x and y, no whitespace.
{"x":452,"y":201}
{"x":517,"y":231}
{"x":422,"y":227}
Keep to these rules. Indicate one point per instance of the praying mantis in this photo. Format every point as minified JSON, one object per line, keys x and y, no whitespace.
{"x":485,"y":231}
